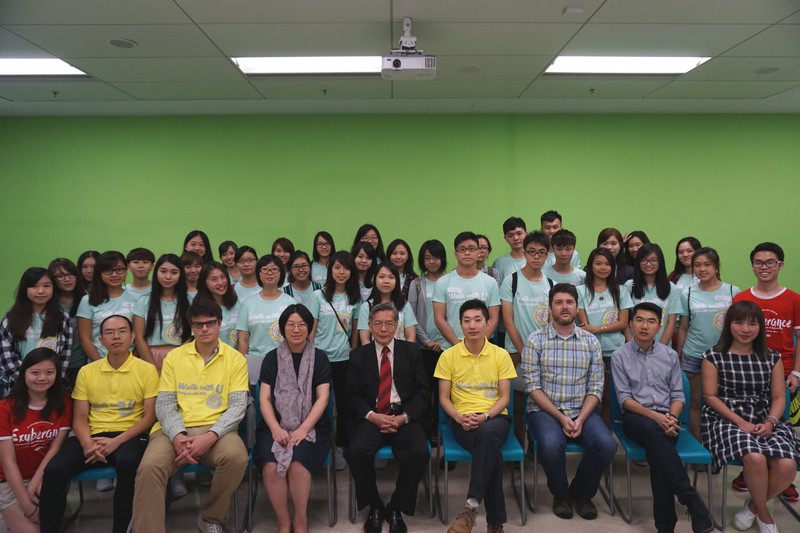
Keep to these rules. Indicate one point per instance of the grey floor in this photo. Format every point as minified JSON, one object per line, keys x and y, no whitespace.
{"x":95,"y":516}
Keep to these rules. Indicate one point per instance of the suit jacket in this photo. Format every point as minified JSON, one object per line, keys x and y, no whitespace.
{"x":409,"y":376}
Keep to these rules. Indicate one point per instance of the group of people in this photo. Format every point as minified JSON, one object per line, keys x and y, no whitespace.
{"x":154,"y":374}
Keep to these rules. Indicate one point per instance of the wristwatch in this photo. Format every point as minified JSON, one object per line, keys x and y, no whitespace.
{"x":795,"y":373}
{"x":486,"y":417}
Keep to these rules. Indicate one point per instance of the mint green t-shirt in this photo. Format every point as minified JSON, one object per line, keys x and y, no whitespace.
{"x":330,"y":337}
{"x":706,"y":312}
{"x":530,"y":305}
{"x":33,"y":337}
{"x":244,"y":293}
{"x":319,"y":273}
{"x":601,"y":311}
{"x":169,"y":331}
{"x":406,"y":320}
{"x":303,"y":297}
{"x":685,"y":281}
{"x":121,"y":305}
{"x":430,"y":326}
{"x":453,"y":290}
{"x":576,"y":277}
{"x":574,"y":261}
{"x":259,"y":317}
{"x":139,"y":293}
{"x":670,"y":306}
{"x":227,"y":331}
{"x":507,"y":265}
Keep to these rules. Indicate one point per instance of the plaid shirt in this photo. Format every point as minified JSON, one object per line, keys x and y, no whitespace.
{"x":566,"y":369}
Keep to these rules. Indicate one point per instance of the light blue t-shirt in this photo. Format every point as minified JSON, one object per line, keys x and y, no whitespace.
{"x":303,"y":297}
{"x":453,"y":290}
{"x":706,"y":312}
{"x":601,"y":311}
{"x":330,"y":337}
{"x":259,"y":317}
{"x":670,"y":306}
{"x":121,"y":305}
{"x":139,"y":293}
{"x":507,"y":265}
{"x":169,"y":331}
{"x":685,"y":281}
{"x":575,"y":261}
{"x":530,"y":305}
{"x":33,"y":337}
{"x":319,"y":273}
{"x":576,"y":277}
{"x":406,"y":320}
{"x":365,"y":291}
{"x":430,"y":326}
{"x":227,"y":330}
{"x":244,"y":293}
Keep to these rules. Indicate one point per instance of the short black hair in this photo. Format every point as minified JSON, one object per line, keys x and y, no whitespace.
{"x":140,"y":254}
{"x":484,"y":237}
{"x":536,"y":237}
{"x":568,"y":288}
{"x":302,"y":311}
{"x":767,"y":247}
{"x":266,"y":260}
{"x":436,"y":249}
{"x":550,"y":216}
{"x":513,"y":223}
{"x":106,"y":319}
{"x":563,"y":237}
{"x":204,"y":308}
{"x":469,"y":305}
{"x":464,"y":236}
{"x":646,"y":306}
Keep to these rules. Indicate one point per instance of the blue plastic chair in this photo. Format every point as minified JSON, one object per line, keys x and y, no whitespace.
{"x":454,"y":452}
{"x":689,"y":449}
{"x":572,"y":447}
{"x":93,"y":474}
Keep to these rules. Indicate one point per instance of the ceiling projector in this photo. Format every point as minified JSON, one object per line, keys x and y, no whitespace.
{"x":407,"y":63}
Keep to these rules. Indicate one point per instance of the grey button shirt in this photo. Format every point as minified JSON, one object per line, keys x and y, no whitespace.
{"x":651,"y":377}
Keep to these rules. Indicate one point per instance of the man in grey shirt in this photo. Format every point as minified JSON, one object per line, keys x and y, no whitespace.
{"x":647,"y":377}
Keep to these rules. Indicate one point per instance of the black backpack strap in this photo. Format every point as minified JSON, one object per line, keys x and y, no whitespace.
{"x":514,"y":280}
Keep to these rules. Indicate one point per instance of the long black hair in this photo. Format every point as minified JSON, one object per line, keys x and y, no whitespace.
{"x":350,"y":286}
{"x":744,"y":310}
{"x":69,"y":267}
{"x":88,"y":254}
{"x":363,"y":230}
{"x":369,"y":251}
{"x":613,"y":286}
{"x":19,"y":392}
{"x":207,"y":256}
{"x":642,"y":236}
{"x":154,"y":314}
{"x":679,"y":269}
{"x":230,"y":297}
{"x":396,"y":296}
{"x":327,"y":236}
{"x":408,"y":267}
{"x":436,"y":249}
{"x":98,"y":292}
{"x":20,"y":316}
{"x":662,"y":282}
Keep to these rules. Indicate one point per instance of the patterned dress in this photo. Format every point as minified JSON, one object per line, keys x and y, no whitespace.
{"x":744,"y":386}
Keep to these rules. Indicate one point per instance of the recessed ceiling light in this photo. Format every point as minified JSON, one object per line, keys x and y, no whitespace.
{"x":37,"y":67}
{"x":624,"y":65}
{"x":123,"y":43}
{"x":574,"y":10}
{"x":309,"y":65}
{"x":766,"y":70}
{"x":468,"y":69}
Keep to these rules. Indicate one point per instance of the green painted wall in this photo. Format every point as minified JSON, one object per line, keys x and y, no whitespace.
{"x":74,"y":183}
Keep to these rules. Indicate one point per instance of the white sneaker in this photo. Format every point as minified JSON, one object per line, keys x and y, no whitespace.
{"x":105,"y":485}
{"x":208,"y":527}
{"x":381,"y":464}
{"x":744,"y":518}
{"x":766,"y":528}
{"x":178,"y":486}
{"x":339,"y":462}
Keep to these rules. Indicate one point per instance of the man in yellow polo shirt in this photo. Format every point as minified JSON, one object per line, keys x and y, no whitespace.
{"x":474,"y":390}
{"x":202,"y":398}
{"x":114,"y":407}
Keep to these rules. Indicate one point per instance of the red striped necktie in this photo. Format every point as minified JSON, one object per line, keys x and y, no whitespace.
{"x":385,"y":383}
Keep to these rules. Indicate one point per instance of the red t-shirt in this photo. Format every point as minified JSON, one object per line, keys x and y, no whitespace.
{"x":782,"y":319}
{"x":31,"y":436}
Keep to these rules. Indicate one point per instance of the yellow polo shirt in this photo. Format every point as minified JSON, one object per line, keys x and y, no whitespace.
{"x":474,"y":381}
{"x":203,"y":389}
{"x":116,"y":396}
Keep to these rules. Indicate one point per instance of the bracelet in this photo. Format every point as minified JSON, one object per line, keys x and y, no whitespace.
{"x":36,"y":508}
{"x":774,"y":420}
{"x":795,"y":373}
{"x":671,"y":415}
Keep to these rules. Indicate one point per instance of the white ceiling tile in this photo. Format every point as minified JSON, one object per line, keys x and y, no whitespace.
{"x":493,"y":38}
{"x":155,"y":40}
{"x":793,"y":19}
{"x":491,"y":67}
{"x":658,"y":39}
{"x":743,"y":68}
{"x":94,"y":11}
{"x":67,"y":91}
{"x":459,"y":89}
{"x":722,"y":89}
{"x":426,"y":11}
{"x":189,"y":90}
{"x":782,"y":40}
{"x":330,"y":89}
{"x":159,"y":69}
{"x":545,"y":88}
{"x":242,"y":40}
{"x":13,"y":46}
{"x":694,"y":11}
{"x":260,"y":11}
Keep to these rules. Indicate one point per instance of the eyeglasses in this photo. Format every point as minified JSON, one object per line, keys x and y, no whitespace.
{"x":467,"y":249}
{"x":114,"y":332}
{"x":758,"y":263}
{"x":246,"y":261}
{"x":270,"y":271}
{"x":299,"y":326}
{"x":300,"y":268}
{"x":381,"y":325}
{"x":207,"y":324}
{"x":649,"y":261}
{"x":483,"y":248}
{"x":62,"y":277}
{"x":117,"y":270}
{"x":323,"y":245}
{"x":536,"y":253}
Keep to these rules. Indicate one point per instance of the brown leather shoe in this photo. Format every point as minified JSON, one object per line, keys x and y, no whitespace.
{"x":464,"y":522}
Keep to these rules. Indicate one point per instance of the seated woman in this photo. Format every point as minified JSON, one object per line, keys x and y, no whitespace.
{"x":741,"y":419}
{"x":295,"y":384}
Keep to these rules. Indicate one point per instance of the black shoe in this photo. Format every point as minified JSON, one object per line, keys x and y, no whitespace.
{"x":583,"y":506}
{"x":374,"y":523}
{"x":665,"y":530}
{"x":395,"y":519}
{"x":562,"y":507}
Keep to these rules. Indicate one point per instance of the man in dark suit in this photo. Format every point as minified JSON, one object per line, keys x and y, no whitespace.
{"x":388,"y":394}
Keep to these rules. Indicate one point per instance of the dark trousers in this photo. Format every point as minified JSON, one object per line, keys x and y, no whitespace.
{"x":486,"y":474}
{"x":667,"y":475}
{"x":429,"y":360}
{"x":410,"y":449}
{"x":339,"y":379}
{"x":69,"y":461}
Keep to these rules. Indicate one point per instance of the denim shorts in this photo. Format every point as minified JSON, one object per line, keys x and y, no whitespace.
{"x":691,"y":364}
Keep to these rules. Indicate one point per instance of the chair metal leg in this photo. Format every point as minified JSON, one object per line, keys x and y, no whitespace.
{"x":332,"y":498}
{"x":446,"y":503}
{"x":626,"y":516}
{"x":351,"y":500}
{"x":429,"y":490}
{"x":608,"y":491}
{"x":789,"y":506}
{"x":439,"y":502}
{"x":723,"y":519}
{"x":521,"y":498}
{"x":74,"y":516}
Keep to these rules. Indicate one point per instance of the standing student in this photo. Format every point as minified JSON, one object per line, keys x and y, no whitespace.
{"x":192,"y":264}
{"x":196,"y":241}
{"x":632,"y":242}
{"x":283,"y":248}
{"x":603,"y":311}
{"x":703,"y":308}
{"x":335,"y":312}
{"x":227,"y":255}
{"x":369,"y":233}
{"x":69,"y":283}
{"x":38,"y":410}
{"x":611,"y":240}
{"x":514,"y":233}
{"x":322,"y":251}
{"x":399,"y":254}
{"x":551,"y":224}
{"x":86,"y":263}
{"x":366,"y":262}
{"x":300,"y":286}
{"x":257,"y":325}
{"x":214,"y":284}
{"x":562,"y":269}
{"x":246,"y":259}
{"x":35,"y":320}
{"x":682,"y":275}
{"x":650,"y":284}
{"x":387,"y":290}
{"x":463,"y":283}
{"x":140,"y":263}
{"x":160,"y":322}
{"x":484,"y":250}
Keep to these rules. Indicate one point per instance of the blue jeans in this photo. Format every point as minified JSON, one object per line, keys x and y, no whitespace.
{"x":600,"y":448}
